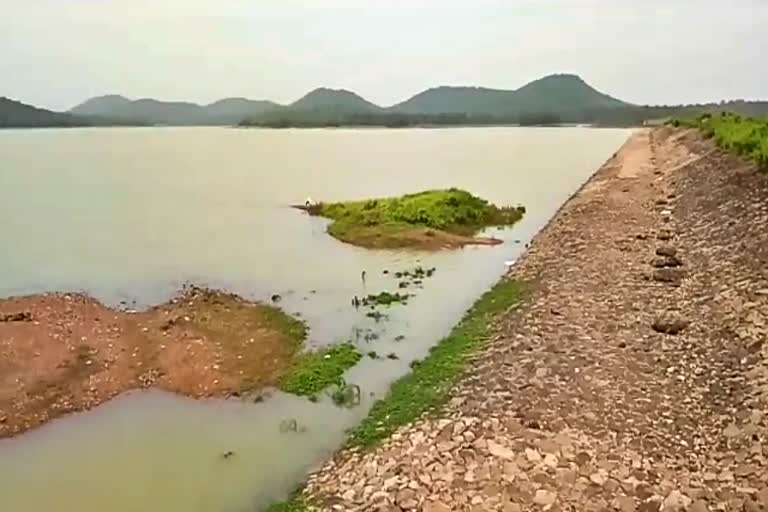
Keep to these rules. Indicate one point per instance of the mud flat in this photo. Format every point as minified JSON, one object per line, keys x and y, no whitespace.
{"x":633,"y":376}
{"x":62,"y":353}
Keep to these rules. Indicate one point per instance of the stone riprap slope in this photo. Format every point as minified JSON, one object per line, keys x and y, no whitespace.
{"x":634,"y":375}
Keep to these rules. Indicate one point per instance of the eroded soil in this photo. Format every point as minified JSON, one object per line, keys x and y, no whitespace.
{"x":62,"y":353}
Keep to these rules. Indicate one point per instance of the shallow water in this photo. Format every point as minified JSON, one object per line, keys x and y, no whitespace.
{"x":131,"y":214}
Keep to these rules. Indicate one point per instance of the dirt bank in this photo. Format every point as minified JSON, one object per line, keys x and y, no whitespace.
{"x":62,"y":353}
{"x":633,"y":378}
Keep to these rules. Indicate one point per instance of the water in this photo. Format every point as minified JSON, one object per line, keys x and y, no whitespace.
{"x":131,"y":214}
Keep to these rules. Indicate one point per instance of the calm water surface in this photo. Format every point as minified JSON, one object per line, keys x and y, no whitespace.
{"x":129,"y":215}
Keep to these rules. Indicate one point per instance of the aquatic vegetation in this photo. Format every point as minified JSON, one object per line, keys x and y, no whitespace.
{"x":346,"y":395}
{"x":746,"y":136}
{"x":289,"y":425}
{"x":376,"y":315}
{"x":315,"y":371}
{"x":385,"y":299}
{"x":428,"y":386}
{"x":431,"y":219}
{"x":417,"y":273}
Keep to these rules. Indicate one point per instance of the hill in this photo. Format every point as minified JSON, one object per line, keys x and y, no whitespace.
{"x":333,"y":100}
{"x":551,"y":100}
{"x":150,"y":111}
{"x":553,"y":94}
{"x":14,"y":114}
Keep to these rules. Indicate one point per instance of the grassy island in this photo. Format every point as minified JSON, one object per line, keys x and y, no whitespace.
{"x":434,"y":219}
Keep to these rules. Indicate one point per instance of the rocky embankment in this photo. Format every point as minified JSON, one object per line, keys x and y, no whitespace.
{"x":634,"y":376}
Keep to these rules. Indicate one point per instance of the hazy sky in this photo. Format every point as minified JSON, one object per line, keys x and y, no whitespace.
{"x":56,"y":53}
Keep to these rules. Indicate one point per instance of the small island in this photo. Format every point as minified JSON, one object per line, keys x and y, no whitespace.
{"x":430,"y":220}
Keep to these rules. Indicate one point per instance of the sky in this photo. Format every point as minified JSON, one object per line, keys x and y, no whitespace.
{"x":57,"y":53}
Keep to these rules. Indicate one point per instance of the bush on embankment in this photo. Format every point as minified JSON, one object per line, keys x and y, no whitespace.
{"x":746,"y":136}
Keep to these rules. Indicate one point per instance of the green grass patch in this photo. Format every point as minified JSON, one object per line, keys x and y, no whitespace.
{"x":381,"y":221}
{"x":428,"y":386}
{"x":315,"y":371}
{"x":745,"y":136}
{"x":294,"y":504}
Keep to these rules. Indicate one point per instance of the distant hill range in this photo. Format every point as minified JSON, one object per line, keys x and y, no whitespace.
{"x":554,"y":99}
{"x":15,"y":114}
{"x":224,"y":112}
{"x":19,"y":115}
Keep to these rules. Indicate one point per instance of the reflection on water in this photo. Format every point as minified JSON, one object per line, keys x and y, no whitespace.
{"x":130,"y":214}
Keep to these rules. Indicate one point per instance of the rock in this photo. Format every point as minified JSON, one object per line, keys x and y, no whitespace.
{"x":676,"y":502}
{"x":669,"y":324}
{"x":545,"y":498}
{"x":665,"y":236}
{"x":745,"y":470}
{"x":699,"y":506}
{"x":532,"y":455}
{"x":668,"y":275}
{"x":597,"y":479}
{"x":407,"y":499}
{"x":653,"y":505}
{"x":550,"y":460}
{"x":500,"y":451}
{"x":436,"y":506}
{"x":666,"y":250}
{"x":624,"y":504}
{"x":23,"y":316}
{"x":666,"y":262}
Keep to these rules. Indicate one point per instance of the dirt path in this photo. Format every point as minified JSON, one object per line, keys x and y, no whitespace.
{"x":62,"y":353}
{"x":580,"y":403}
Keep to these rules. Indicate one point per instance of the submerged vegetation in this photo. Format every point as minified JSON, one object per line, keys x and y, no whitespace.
{"x":746,"y":136}
{"x":427,"y":387}
{"x":431,"y":219}
{"x":315,"y":371}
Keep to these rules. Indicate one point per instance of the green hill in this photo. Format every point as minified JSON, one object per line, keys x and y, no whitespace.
{"x":228,"y":111}
{"x":338,"y":101}
{"x":553,"y":94}
{"x":14,"y":114}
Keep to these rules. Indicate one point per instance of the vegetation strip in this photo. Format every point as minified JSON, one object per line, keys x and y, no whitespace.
{"x":315,"y":371}
{"x":745,"y":136}
{"x":434,"y":218}
{"x":428,"y":386}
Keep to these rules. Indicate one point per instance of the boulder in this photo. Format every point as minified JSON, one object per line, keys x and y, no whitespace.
{"x":670,"y":324}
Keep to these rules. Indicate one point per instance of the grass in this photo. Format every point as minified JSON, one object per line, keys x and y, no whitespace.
{"x":746,"y":136}
{"x":315,"y":371}
{"x":423,"y":218}
{"x":294,"y":504}
{"x":428,"y":386}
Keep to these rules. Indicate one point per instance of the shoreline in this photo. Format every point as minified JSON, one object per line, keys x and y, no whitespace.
{"x":64,"y":352}
{"x":586,"y":396}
